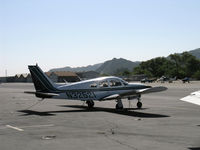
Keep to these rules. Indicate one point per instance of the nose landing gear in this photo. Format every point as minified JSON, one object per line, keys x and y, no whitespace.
{"x":139,"y":103}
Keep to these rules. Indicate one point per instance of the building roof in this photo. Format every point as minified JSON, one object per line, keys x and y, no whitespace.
{"x":24,"y":75}
{"x":17,"y":75}
{"x":48,"y":73}
{"x":88,"y":74}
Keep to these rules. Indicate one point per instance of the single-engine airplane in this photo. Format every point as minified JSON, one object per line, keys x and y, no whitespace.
{"x":98,"y":89}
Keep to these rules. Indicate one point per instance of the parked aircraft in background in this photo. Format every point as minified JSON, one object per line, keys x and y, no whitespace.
{"x":186,"y":79}
{"x":98,"y":89}
{"x":148,"y":80}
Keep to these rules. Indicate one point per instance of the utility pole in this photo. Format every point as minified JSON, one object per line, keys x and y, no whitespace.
{"x":6,"y":72}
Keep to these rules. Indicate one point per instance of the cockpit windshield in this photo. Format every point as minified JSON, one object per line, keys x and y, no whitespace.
{"x":124,"y":82}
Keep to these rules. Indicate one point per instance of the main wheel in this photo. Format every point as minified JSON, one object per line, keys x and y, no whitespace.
{"x":118,"y":107}
{"x":90,"y":104}
{"x":139,"y":105}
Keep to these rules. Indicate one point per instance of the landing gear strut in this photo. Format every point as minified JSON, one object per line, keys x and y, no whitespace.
{"x":90,"y":103}
{"x":119,"y":104}
{"x":139,"y":103}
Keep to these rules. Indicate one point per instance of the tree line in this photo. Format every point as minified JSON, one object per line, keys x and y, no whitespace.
{"x":175,"y":65}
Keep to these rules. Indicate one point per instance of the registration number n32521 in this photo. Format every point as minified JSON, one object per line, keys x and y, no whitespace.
{"x":80,"y":95}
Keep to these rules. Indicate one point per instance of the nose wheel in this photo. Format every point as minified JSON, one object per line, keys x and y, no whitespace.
{"x":139,"y":103}
{"x":90,"y":104}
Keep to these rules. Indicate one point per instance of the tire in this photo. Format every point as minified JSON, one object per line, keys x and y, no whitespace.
{"x":118,"y":107}
{"x":90,"y":104}
{"x":139,"y":105}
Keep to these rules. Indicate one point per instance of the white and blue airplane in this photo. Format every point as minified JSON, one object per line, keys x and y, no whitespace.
{"x":98,"y":89}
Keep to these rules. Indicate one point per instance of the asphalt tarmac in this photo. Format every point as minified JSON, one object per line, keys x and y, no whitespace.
{"x":164,"y":122}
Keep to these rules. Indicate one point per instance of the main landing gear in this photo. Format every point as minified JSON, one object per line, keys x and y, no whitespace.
{"x":90,"y":104}
{"x":119,"y":105}
{"x":139,"y":103}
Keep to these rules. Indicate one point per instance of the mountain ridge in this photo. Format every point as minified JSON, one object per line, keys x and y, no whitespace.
{"x":195,"y":52}
{"x":114,"y":65}
{"x":109,"y":67}
{"x":77,"y":69}
{"x":117,"y":65}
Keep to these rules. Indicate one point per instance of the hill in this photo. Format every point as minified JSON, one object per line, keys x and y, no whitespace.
{"x":78,"y":69}
{"x":109,"y":67}
{"x":195,"y":53}
{"x":115,"y":65}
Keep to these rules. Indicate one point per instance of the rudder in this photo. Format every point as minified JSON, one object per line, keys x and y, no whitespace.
{"x":41,"y":81}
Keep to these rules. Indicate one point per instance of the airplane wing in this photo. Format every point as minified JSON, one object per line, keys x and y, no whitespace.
{"x":110,"y":97}
{"x":151,"y":90}
{"x":41,"y":93}
{"x":192,"y":98}
{"x":142,"y":91}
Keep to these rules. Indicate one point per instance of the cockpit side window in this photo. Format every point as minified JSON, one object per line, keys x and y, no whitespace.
{"x":103,"y":84}
{"x":115,"y":82}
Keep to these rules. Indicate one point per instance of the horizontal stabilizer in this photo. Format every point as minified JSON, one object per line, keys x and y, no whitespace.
{"x":152,"y":90}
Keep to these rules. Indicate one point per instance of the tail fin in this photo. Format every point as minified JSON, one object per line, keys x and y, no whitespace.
{"x":41,"y":81}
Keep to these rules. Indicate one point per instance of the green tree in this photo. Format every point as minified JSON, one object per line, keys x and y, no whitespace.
{"x":153,"y":68}
{"x":191,"y":64}
{"x":176,"y":59}
{"x":179,"y":65}
{"x":197,"y":75}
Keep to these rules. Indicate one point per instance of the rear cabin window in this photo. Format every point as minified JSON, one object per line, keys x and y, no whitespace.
{"x":103,"y":84}
{"x":114,"y":83}
{"x":94,"y":85}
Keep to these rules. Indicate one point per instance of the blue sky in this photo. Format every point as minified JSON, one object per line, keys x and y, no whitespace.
{"x":58,"y":33}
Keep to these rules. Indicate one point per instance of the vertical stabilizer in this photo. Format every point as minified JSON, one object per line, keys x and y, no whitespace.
{"x":41,"y":81}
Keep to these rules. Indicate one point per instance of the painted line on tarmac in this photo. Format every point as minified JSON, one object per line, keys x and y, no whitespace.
{"x":16,"y":128}
{"x":37,"y":126}
{"x":21,"y":128}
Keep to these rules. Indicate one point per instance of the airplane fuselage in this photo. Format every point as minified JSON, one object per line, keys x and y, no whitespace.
{"x":98,"y":89}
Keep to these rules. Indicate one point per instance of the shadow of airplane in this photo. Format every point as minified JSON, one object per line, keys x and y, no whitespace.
{"x":194,"y":148}
{"x":126,"y":112}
